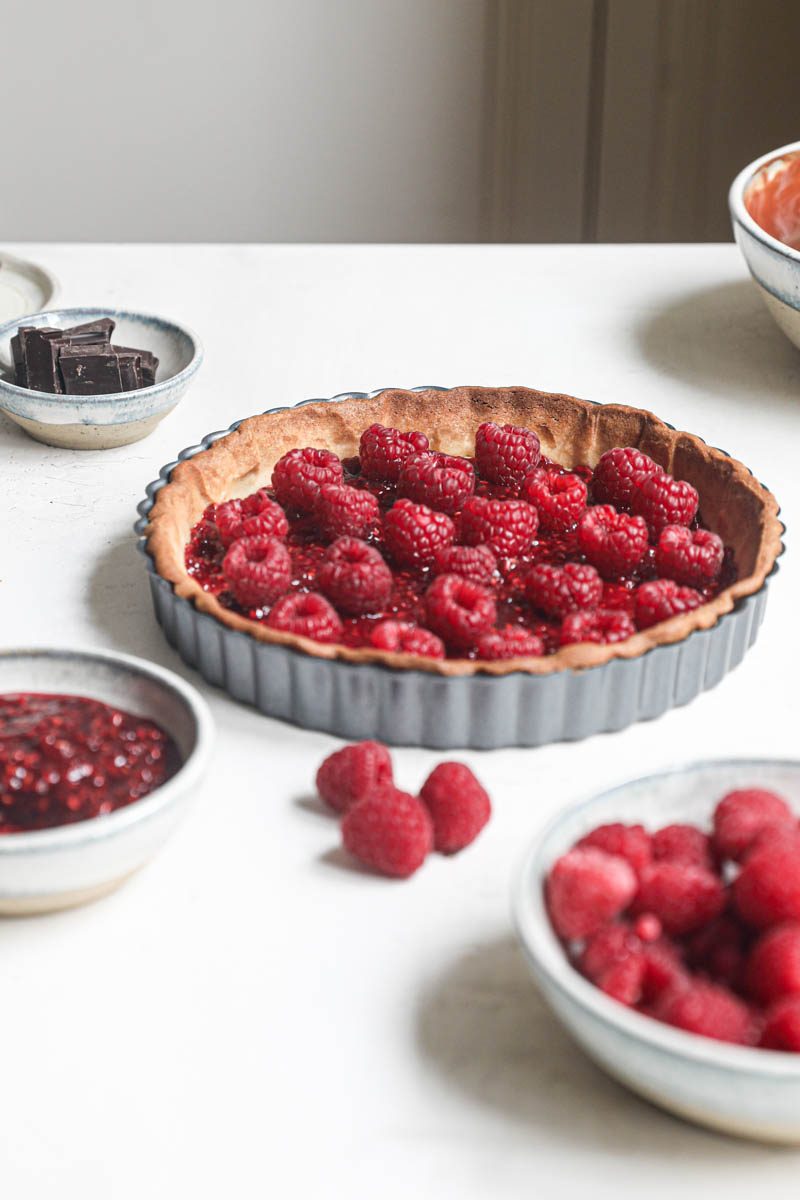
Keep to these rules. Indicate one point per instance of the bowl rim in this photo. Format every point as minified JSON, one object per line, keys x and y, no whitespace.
{"x":549,"y":963}
{"x":109,"y":825}
{"x":739,"y":211}
{"x":91,"y":311}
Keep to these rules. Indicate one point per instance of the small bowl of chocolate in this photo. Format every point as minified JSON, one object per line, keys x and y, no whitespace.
{"x":100,"y":755}
{"x":93,"y":378}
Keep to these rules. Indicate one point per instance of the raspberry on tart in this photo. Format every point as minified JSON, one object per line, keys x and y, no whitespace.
{"x":299,"y":475}
{"x":255,"y":514}
{"x":413,"y":533}
{"x":690,"y":556}
{"x":438,"y":480}
{"x":354,"y":577}
{"x":559,"y":498}
{"x":258,"y":570}
{"x":404,"y":637}
{"x":661,"y":599}
{"x":612,"y":541}
{"x":602,"y":625}
{"x":382,"y":451}
{"x":306,"y":614}
{"x":458,"y":610}
{"x":663,"y":501}
{"x":477,"y":563}
{"x":619,"y":474}
{"x":344,"y":511}
{"x":512,"y":641}
{"x":507,"y":527}
{"x":505,"y":454}
{"x":560,"y":590}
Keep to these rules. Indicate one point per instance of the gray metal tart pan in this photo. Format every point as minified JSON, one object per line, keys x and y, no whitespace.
{"x":417,"y":708}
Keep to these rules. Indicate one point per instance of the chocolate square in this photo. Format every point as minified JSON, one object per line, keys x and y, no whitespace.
{"x":39,"y":350}
{"x":89,"y":371}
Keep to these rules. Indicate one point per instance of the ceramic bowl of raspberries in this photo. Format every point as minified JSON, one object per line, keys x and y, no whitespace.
{"x":661,"y":921}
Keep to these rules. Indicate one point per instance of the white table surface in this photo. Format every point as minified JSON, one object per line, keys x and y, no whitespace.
{"x":249,"y":1016}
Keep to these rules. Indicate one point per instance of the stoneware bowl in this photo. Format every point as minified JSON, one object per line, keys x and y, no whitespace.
{"x":49,"y":869}
{"x":774,"y":266}
{"x":99,"y":422}
{"x":747,"y":1092}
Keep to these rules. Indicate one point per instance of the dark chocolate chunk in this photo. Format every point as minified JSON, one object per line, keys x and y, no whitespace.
{"x":39,"y":351}
{"x":91,"y":333}
{"x":148,"y":364}
{"x":20,"y":366}
{"x":130,"y":368}
{"x":89,"y":371}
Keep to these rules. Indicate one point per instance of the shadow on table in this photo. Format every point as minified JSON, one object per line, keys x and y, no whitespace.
{"x":485,"y":1028}
{"x":722,"y":339}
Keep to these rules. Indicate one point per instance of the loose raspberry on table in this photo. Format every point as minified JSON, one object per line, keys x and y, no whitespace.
{"x":707,"y":1009}
{"x":458,"y":610}
{"x":773,"y":966}
{"x":505,"y":454}
{"x":684,"y":897}
{"x":743,"y":814}
{"x":344,"y":511}
{"x":458,"y":804}
{"x":441,"y":481}
{"x":620,"y":473}
{"x":767,"y":889}
{"x":477,"y":563}
{"x":631,"y":842}
{"x":299,"y":475}
{"x":383,"y":451}
{"x":413,"y":533}
{"x":683,"y":843}
{"x":690,"y":556}
{"x":253,"y":515}
{"x":612,"y":541}
{"x":585,"y":889}
{"x":661,"y":599}
{"x":506,"y":526}
{"x":559,"y":590}
{"x":512,"y":641}
{"x":354,"y":773}
{"x":603,"y":625}
{"x":258,"y":570}
{"x":354,"y":577}
{"x":560,"y":499}
{"x":782,"y":1025}
{"x":404,"y":637}
{"x":662,"y":501}
{"x":390,"y":831}
{"x":307,"y":614}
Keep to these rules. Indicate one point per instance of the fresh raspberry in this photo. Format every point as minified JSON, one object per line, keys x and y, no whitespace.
{"x":683,"y":843}
{"x":620,"y":473}
{"x":613,"y":960}
{"x":299,"y":475}
{"x":770,"y":834}
{"x":438,"y":480}
{"x":663,"y":968}
{"x":559,"y":499}
{"x":507,"y":526}
{"x":258,"y":569}
{"x":631,"y":842}
{"x":742,"y":815}
{"x":782,"y":1025}
{"x":560,"y":590}
{"x":690,"y":556}
{"x":767,"y":889}
{"x":586,"y":888}
{"x":773,"y":967}
{"x":390,"y":831}
{"x":413,"y":533}
{"x":477,"y":563}
{"x":383,"y":451}
{"x":354,"y":577}
{"x":404,"y":637}
{"x":505,"y":454}
{"x":344,"y":511}
{"x":612,"y":541}
{"x":603,"y":625}
{"x":256,"y":514}
{"x":648,"y":928}
{"x":512,"y":641}
{"x":624,"y":982}
{"x":683,"y":897}
{"x":306,"y":614}
{"x":718,"y":950}
{"x":661,"y":599}
{"x":458,"y":804}
{"x":707,"y":1009}
{"x":662,"y":501}
{"x":353,"y":773}
{"x":458,"y":610}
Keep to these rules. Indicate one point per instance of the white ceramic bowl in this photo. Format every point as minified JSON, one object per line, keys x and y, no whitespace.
{"x":100,"y":422}
{"x":744,"y":1091}
{"x":774,"y":266}
{"x":50,"y":869}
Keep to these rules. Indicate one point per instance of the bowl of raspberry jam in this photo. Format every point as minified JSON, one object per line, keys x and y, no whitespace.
{"x":99,"y":755}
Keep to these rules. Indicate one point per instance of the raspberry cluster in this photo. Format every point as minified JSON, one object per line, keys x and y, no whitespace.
{"x":698,"y":929}
{"x":392,"y":831}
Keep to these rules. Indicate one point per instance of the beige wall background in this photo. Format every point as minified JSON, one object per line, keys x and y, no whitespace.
{"x":389,"y":120}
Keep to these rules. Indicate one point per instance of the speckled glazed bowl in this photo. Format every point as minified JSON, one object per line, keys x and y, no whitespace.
{"x":100,"y":422}
{"x":747,"y":1092}
{"x":774,"y":266}
{"x":49,"y":869}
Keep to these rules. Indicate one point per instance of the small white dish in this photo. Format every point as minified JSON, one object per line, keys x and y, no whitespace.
{"x":747,"y":1092}
{"x":100,"y":422}
{"x":50,"y":869}
{"x":25,"y":287}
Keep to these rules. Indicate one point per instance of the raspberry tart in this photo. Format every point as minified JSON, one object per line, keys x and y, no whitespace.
{"x":475,"y":532}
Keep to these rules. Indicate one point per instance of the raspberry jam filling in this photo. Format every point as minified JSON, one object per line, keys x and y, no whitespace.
{"x":556,"y":541}
{"x":68,"y":758}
